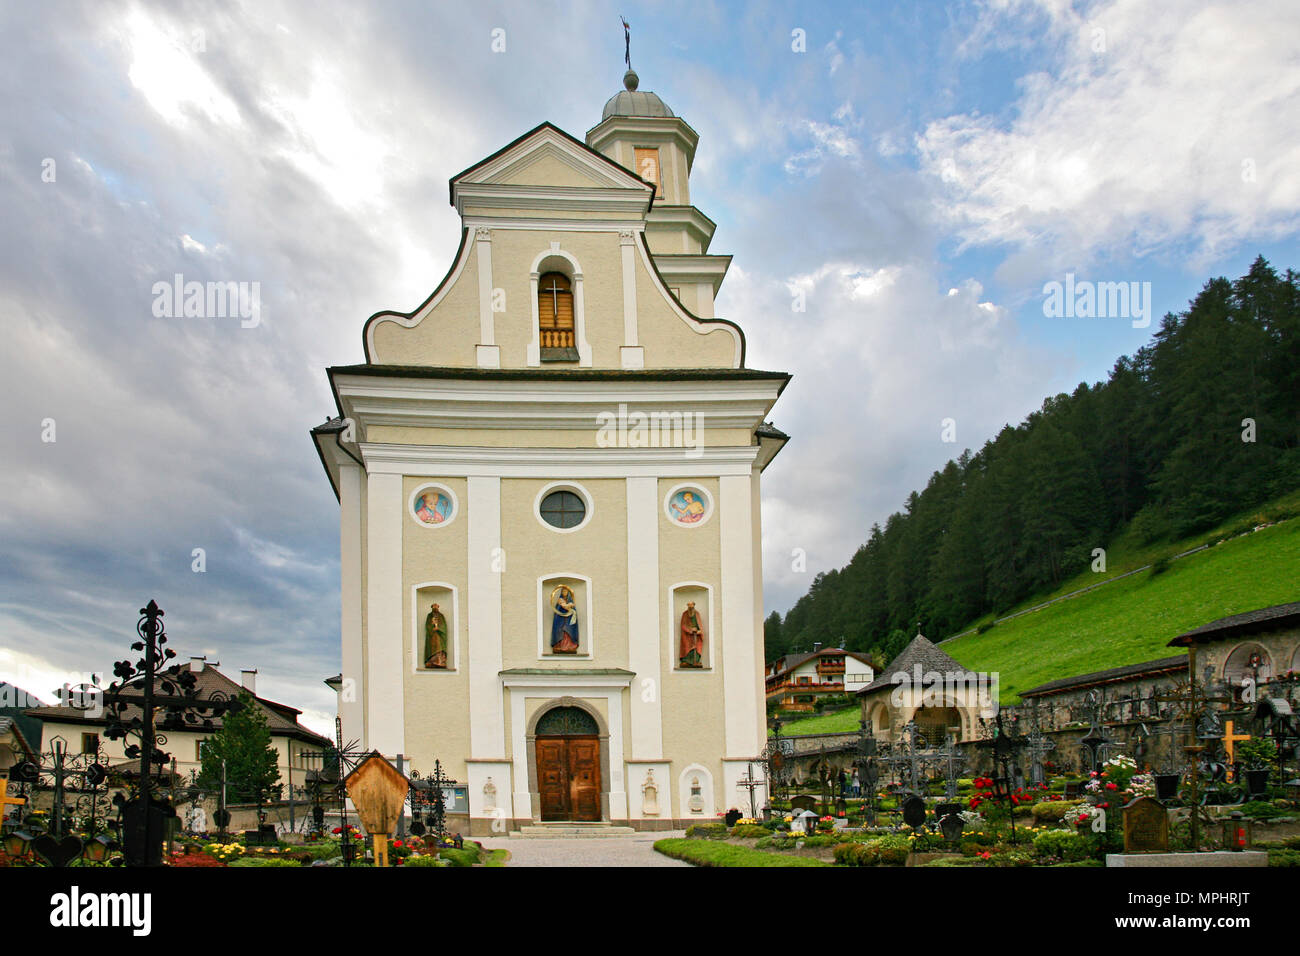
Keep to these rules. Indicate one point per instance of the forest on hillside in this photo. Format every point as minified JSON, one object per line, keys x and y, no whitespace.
{"x":1161,"y":447}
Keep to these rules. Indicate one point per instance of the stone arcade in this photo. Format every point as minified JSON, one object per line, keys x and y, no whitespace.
{"x":569,"y":619}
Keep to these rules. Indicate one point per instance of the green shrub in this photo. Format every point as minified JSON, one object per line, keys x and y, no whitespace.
{"x":1284,"y":857}
{"x":263,"y":861}
{"x":1053,"y":811}
{"x":750,"y":831}
{"x":465,"y":857}
{"x":422,"y":861}
{"x":821,"y":839}
{"x":707,"y":831}
{"x":882,"y":851}
{"x":1063,"y":845}
{"x":1261,"y":810}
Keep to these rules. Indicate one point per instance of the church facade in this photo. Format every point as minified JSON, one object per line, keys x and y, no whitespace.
{"x":548,"y":476}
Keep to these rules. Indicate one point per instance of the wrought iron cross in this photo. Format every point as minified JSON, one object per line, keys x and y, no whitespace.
{"x":750,"y":783}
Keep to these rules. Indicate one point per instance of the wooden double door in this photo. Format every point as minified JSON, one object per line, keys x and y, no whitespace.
{"x":568,"y":777}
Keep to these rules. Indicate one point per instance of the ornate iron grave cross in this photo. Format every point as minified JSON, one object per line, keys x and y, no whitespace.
{"x":1192,"y":704}
{"x":751,"y":783}
{"x":1096,"y":744}
{"x":432,"y":799}
{"x":864,"y":762}
{"x":954,"y":762}
{"x":1004,"y":747}
{"x":1039,"y":746}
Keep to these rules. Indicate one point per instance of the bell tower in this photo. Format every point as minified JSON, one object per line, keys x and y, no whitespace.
{"x":638,"y":131}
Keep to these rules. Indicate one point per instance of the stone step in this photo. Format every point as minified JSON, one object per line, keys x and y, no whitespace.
{"x":571,"y":831}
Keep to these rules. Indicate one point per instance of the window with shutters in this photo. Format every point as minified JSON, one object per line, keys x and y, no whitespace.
{"x":555,"y":318}
{"x":647,"y":167}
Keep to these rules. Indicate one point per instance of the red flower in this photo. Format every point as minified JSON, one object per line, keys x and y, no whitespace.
{"x":397,"y":843}
{"x":1111,"y":786}
{"x":337,"y":830}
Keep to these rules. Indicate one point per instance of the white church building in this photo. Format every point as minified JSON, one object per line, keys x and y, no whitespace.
{"x":548,"y":479}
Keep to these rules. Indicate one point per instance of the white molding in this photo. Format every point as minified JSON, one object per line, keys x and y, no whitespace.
{"x":483,"y":626}
{"x":626,"y":242}
{"x":643,"y":650}
{"x":483,"y":244}
{"x":586,"y":633}
{"x":675,"y":629}
{"x":443,"y":461}
{"x":688,"y":486}
{"x":555,"y":225}
{"x":352,"y":505}
{"x":706,"y":793}
{"x":425,"y":486}
{"x":553,"y":251}
{"x":453,"y":639}
{"x":411,"y":321}
{"x":385,"y":724}
{"x":574,"y":685}
{"x":587,"y":501}
{"x":623,"y":202}
{"x":742,"y":669}
{"x":558,"y":684}
{"x":701,"y":327}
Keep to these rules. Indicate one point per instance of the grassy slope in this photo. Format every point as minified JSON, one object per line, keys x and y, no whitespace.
{"x":1133,"y":620}
{"x":1129,"y":621}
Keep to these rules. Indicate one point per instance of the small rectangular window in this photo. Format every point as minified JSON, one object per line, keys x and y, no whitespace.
{"x":89,"y":743}
{"x":647,"y":167}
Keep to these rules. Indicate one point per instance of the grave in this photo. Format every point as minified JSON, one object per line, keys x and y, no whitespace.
{"x":1146,"y":826}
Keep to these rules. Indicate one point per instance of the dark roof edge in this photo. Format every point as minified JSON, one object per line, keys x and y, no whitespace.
{"x":541,"y":375}
{"x":1161,"y":665}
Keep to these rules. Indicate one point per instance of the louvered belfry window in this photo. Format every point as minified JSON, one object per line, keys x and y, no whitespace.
{"x":555,"y":311}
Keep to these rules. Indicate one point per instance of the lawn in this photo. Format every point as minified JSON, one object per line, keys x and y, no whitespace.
{"x":843,"y":720}
{"x":714,"y":853}
{"x":1133,"y":620}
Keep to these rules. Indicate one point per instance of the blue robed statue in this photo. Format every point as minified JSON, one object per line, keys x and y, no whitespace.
{"x":564,"y":621}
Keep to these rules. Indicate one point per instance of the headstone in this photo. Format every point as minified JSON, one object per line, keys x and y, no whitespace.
{"x":808,"y":820}
{"x":1146,"y":826}
{"x":914,"y":812}
{"x":1073,"y":790}
{"x":803,"y":802}
{"x":732,"y":817}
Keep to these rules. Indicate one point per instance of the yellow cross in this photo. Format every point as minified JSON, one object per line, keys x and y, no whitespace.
{"x":6,"y":799}
{"x":1230,"y":741}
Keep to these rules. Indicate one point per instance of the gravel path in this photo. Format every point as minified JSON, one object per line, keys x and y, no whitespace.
{"x":593,"y":851}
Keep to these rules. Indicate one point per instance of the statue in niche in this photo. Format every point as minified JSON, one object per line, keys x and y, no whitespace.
{"x":489,"y":795}
{"x":650,"y":795}
{"x":564,"y":620}
{"x":435,"y":639}
{"x":691,"y":650}
{"x":697,"y":797}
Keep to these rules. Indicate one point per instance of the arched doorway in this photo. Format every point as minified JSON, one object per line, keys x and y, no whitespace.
{"x":567,"y":745}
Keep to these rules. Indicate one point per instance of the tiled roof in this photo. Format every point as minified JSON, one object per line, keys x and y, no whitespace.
{"x":1264,"y":619}
{"x":921,"y":651}
{"x":281,"y":719}
{"x":1164,"y":665}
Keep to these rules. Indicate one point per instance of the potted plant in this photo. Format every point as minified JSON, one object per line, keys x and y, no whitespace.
{"x":1257,"y":757}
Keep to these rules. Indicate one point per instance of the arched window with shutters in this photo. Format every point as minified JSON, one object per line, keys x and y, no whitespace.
{"x":555,"y":318}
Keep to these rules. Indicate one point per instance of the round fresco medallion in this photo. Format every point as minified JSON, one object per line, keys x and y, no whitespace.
{"x":688,"y":506}
{"x":432,"y":507}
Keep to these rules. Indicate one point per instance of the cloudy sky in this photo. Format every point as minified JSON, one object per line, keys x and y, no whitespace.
{"x":915,"y":172}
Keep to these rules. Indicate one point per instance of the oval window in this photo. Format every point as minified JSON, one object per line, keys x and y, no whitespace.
{"x":563,"y":509}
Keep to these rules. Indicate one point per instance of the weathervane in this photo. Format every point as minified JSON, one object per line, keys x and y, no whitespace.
{"x":627,"y":43}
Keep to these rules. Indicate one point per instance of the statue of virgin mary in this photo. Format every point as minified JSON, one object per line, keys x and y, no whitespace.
{"x":564,"y":621}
